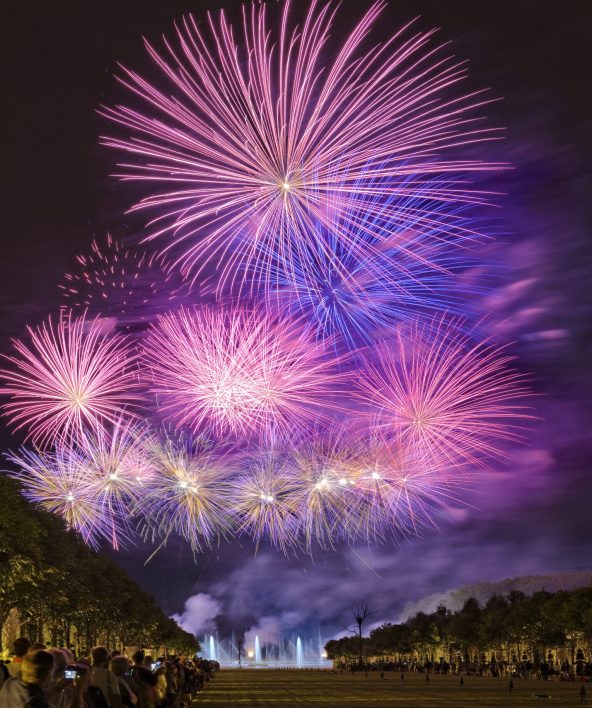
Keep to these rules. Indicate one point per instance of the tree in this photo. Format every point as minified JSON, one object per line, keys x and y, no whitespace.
{"x":59,"y":586}
{"x":361,"y":614}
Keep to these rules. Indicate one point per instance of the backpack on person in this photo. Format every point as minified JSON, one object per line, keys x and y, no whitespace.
{"x":97,"y":698}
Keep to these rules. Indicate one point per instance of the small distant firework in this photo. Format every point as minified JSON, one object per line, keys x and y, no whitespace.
{"x":128,"y":284}
{"x":253,"y":141}
{"x":445,"y":395}
{"x":238,"y":371}
{"x":71,"y":376}
{"x":188,"y":494}
{"x":61,"y":482}
{"x":263,"y":503}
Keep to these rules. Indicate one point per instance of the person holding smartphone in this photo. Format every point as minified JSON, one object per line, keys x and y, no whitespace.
{"x":79,"y":693}
{"x":120,"y":666}
{"x":144,"y":679}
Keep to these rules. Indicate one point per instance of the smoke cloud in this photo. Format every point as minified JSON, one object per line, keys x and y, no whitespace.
{"x":199,"y":614}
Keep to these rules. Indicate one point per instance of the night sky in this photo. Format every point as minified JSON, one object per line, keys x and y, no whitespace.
{"x":529,"y":515}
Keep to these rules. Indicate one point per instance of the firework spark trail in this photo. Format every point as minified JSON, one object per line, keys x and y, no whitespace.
{"x":255,"y":137}
{"x":237,"y":371}
{"x":189,"y":493}
{"x":62,"y":483}
{"x":130,"y":284}
{"x":350,"y":296}
{"x":439,"y":391}
{"x":69,"y":377}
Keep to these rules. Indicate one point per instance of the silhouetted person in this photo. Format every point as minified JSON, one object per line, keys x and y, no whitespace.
{"x":105,"y":679}
{"x":20,"y":647}
{"x":511,"y":686}
{"x":128,"y":689}
{"x":29,"y":689}
{"x":462,"y":681}
{"x":583,"y":694}
{"x":402,"y":677}
{"x":145,"y":679}
{"x":427,"y":677}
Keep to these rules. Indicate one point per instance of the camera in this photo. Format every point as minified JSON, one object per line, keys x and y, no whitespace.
{"x":155,"y":665}
{"x":71,"y":674}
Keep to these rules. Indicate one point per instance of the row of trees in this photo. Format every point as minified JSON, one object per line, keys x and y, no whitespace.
{"x":66,"y":594}
{"x":509,"y":627}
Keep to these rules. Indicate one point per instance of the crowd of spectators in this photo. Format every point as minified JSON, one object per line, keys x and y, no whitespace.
{"x":552,"y":669}
{"x":42,"y":677}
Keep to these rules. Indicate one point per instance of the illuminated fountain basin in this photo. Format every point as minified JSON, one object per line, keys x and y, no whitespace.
{"x":282,"y":652}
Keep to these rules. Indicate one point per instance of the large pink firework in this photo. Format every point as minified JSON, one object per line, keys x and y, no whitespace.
{"x":435,"y":389}
{"x":72,"y":375}
{"x":239,"y":371}
{"x":254,"y":138}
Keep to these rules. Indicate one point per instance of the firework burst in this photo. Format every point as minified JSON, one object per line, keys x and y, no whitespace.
{"x":125,"y":283}
{"x":188,"y":494}
{"x":119,"y":468}
{"x":61,"y":482}
{"x":443,"y":394}
{"x":400,"y":490}
{"x":263,"y":500}
{"x":237,"y":371}
{"x":71,"y":376}
{"x":255,"y":141}
{"x":325,"y":475}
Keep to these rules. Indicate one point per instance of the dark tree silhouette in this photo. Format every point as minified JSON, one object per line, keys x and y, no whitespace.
{"x":361,"y":614}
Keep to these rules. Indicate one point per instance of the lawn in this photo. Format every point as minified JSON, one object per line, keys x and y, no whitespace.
{"x":233,"y":687}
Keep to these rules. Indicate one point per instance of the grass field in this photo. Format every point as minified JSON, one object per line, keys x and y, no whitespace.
{"x":233,"y":687}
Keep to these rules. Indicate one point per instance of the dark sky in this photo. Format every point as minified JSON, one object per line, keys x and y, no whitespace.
{"x":528,"y":516}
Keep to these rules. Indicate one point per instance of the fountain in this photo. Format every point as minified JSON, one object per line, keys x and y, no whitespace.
{"x":257,"y":650}
{"x":297,"y":651}
{"x":299,"y":656}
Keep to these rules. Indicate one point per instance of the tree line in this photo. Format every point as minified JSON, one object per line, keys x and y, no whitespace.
{"x":65,"y":594}
{"x":512,"y":627}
